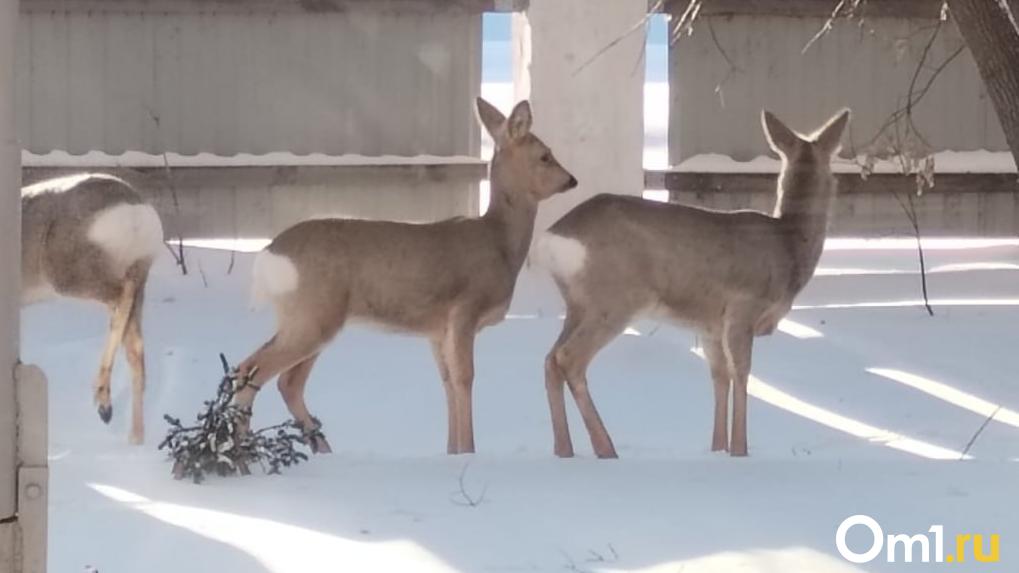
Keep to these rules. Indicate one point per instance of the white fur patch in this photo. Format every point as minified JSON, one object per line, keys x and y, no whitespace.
{"x":128,"y":233}
{"x":65,"y":183}
{"x":273,"y":275}
{"x":562,"y":256}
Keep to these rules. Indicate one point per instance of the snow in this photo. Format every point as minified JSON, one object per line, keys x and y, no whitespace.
{"x":854,"y":410}
{"x":979,"y":161}
{"x":139,"y":159}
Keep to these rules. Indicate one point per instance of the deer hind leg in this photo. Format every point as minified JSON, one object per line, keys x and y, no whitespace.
{"x":722,"y":380}
{"x":299,"y":337}
{"x":555,"y":381}
{"x":291,"y":386}
{"x":120,"y":313}
{"x":134,"y":349}
{"x":738,"y":344}
{"x":439,"y":352}
{"x":573,"y":355}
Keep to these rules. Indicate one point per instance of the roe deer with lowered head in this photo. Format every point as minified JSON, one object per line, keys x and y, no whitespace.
{"x":444,"y":280}
{"x":730,"y":276}
{"x":92,"y":237}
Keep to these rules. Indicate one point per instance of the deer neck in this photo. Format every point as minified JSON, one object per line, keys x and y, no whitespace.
{"x":511,"y":213}
{"x":804,"y":204}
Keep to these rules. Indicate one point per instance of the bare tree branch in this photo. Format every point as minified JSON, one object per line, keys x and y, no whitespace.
{"x":629,"y":32}
{"x":980,"y":430}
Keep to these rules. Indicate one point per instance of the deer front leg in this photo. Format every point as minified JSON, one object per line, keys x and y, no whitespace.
{"x":721,"y":380}
{"x":439,"y":353}
{"x":739,"y":342}
{"x":459,"y":352}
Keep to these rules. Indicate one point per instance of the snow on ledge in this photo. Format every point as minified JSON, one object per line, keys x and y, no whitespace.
{"x":138,"y":159}
{"x":980,"y":161}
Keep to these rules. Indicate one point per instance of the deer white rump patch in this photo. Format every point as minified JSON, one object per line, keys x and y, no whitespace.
{"x":562,"y":256}
{"x":127,"y":233}
{"x":274,"y":275}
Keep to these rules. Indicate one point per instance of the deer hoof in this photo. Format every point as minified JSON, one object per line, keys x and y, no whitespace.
{"x":738,"y":453}
{"x":319,"y":445}
{"x":564,"y":452}
{"x":105,"y":413}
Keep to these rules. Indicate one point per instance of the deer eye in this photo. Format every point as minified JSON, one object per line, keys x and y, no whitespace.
{"x":546,"y":157}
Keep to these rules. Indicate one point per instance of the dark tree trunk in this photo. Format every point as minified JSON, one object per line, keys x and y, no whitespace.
{"x":993,"y":40}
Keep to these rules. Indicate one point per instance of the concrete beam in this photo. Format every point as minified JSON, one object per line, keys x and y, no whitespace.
{"x":580,"y":63}
{"x":587,"y":97}
{"x":184,"y":6}
{"x":803,"y":8}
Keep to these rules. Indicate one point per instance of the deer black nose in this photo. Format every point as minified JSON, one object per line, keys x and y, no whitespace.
{"x":572,"y":182}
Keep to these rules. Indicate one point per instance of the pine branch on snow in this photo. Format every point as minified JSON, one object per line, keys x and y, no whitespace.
{"x":212,"y":446}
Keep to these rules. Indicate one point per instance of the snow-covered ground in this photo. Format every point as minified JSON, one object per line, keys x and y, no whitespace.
{"x":858,"y":403}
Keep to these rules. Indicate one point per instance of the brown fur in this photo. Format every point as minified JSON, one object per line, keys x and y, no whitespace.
{"x":57,"y":256}
{"x":444,"y":280}
{"x":728,"y":275}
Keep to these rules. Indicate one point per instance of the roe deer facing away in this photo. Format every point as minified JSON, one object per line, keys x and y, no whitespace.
{"x":444,"y":280}
{"x":730,"y":276}
{"x":91,"y":236}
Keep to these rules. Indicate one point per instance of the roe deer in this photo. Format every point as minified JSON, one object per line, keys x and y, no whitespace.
{"x":728,"y":275}
{"x":444,"y":280}
{"x":91,"y":236}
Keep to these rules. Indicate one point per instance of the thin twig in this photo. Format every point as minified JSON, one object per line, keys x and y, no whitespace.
{"x":462,"y":496}
{"x":733,"y":68}
{"x":979,"y":431}
{"x":643,"y":21}
{"x":179,"y":255}
{"x":829,"y":23}
{"x":686,"y":20}
{"x":201,"y":272}
{"x":181,"y":261}
{"x":914,"y":221}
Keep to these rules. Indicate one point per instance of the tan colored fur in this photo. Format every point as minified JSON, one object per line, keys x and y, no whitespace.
{"x":443,"y":280}
{"x":58,"y":257}
{"x":728,"y":275}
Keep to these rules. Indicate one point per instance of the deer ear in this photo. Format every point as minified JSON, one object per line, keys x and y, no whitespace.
{"x":519,"y":123}
{"x":493,"y":119}
{"x":782,"y":139}
{"x":828,"y":138}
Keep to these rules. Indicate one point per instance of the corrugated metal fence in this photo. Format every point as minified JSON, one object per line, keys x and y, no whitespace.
{"x":214,"y":77}
{"x":717,"y":101}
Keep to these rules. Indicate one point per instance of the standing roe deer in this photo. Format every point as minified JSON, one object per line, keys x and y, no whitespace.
{"x":91,"y":236}
{"x":444,"y":280}
{"x":728,"y":275}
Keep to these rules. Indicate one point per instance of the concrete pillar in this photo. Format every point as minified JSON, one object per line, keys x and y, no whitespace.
{"x":592,"y":118}
{"x":10,"y":280}
{"x":588,"y":103}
